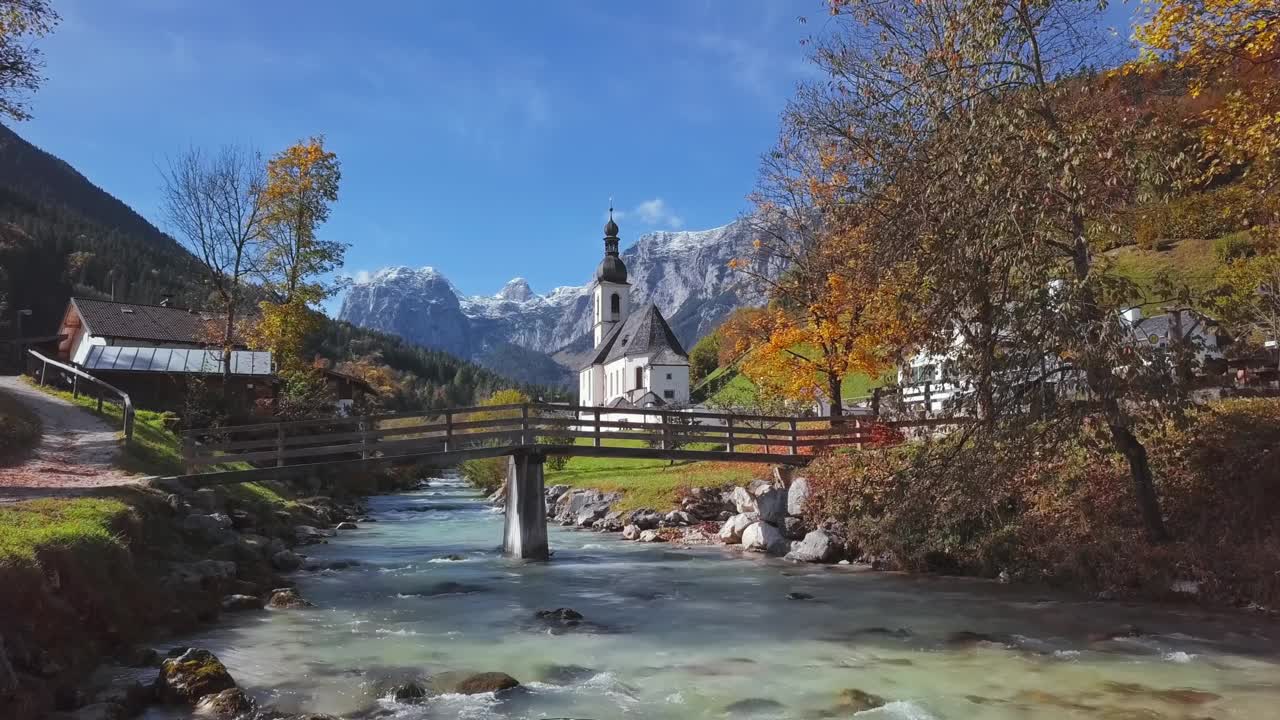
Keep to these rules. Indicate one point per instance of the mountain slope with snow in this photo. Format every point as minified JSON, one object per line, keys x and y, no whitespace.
{"x":517,"y":332}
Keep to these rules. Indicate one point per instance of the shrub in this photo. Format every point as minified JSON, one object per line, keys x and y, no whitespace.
{"x":486,"y":474}
{"x":1059,"y":508}
{"x":1236,"y":246}
{"x":1200,"y":215}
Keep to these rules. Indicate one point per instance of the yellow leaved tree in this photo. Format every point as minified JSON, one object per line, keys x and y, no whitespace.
{"x":302,"y":185}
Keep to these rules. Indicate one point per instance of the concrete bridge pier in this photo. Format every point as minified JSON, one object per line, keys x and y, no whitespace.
{"x":525,"y":535}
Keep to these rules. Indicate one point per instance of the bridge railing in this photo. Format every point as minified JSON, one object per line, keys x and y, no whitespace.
{"x":552,"y":428}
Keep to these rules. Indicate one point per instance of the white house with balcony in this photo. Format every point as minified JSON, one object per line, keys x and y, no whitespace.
{"x":637,"y":361}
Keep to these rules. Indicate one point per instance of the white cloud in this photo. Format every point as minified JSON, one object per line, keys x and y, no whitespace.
{"x":654,"y":213}
{"x":362,"y":276}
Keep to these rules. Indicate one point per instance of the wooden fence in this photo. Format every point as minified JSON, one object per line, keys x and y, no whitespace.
{"x":80,"y":381}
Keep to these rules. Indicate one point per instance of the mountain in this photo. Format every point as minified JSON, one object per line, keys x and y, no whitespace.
{"x":542,"y":338}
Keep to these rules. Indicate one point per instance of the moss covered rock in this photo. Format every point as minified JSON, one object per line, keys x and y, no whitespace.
{"x":191,"y":676}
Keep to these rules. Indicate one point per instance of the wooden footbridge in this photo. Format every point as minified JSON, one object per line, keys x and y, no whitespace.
{"x":526,"y":433}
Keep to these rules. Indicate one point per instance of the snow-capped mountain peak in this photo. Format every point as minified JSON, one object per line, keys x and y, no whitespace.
{"x":515,"y":331}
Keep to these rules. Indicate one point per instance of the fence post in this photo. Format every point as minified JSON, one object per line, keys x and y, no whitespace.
{"x":364,"y":437}
{"x":928,"y":399}
{"x":666,"y":432}
{"x":75,"y":386}
{"x":596,"y":438}
{"x":731,"y":442}
{"x":43,"y":367}
{"x":448,"y":430}
{"x":524,"y":425}
{"x":280,"y":444}
{"x":794,"y":449}
{"x":875,"y":403}
{"x":100,"y":392}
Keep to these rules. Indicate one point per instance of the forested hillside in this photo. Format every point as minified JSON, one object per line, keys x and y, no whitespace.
{"x":61,"y":235}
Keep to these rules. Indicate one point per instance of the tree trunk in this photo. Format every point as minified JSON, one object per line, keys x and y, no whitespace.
{"x":1101,"y":380}
{"x":226,"y":353}
{"x":986,"y":362}
{"x":837,"y":403}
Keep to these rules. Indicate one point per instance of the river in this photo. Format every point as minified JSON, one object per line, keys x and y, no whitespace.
{"x":686,"y":633}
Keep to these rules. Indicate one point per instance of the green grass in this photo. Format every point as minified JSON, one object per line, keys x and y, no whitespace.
{"x":155,"y":450}
{"x":19,"y":428}
{"x":654,"y":484}
{"x":1190,"y":262}
{"x":76,"y":524}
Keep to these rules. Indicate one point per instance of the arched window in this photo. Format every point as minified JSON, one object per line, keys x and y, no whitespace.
{"x":615,"y":305}
{"x":639,"y":377}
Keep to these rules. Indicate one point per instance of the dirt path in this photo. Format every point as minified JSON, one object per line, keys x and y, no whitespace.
{"x":75,"y":454}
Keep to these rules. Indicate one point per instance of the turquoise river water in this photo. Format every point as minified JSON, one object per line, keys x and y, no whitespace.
{"x":706,"y":633}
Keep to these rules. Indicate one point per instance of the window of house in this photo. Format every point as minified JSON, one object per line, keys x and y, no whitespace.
{"x":669,"y":394}
{"x":668,"y":376}
{"x":639,"y":377}
{"x":615,"y":304}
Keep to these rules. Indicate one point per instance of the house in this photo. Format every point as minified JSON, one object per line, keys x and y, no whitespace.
{"x":156,"y":352}
{"x":637,"y":361}
{"x":928,"y":382}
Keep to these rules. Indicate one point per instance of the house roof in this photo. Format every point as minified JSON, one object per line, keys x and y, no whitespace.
{"x":1161,"y":326}
{"x":133,"y":321}
{"x":642,"y":333}
{"x":123,"y":358}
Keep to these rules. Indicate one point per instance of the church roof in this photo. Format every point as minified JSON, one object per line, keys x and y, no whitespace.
{"x":642,"y":333}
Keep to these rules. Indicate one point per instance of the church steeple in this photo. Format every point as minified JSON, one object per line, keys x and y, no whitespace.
{"x":611,"y":268}
{"x":611,"y":297}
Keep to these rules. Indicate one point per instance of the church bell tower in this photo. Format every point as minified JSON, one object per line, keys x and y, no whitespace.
{"x":611,"y":296}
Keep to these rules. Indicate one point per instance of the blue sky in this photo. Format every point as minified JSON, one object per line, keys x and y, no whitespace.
{"x":482,"y":138}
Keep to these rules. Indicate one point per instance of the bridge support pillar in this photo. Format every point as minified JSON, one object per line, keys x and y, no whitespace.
{"x":525,"y":535}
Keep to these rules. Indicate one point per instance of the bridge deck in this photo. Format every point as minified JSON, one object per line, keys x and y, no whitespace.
{"x":454,"y":436}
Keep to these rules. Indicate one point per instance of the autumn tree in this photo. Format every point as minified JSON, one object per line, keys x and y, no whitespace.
{"x":214,"y":206}
{"x":301,"y":187}
{"x":1231,"y":50}
{"x":21,"y":22}
{"x":704,"y":358}
{"x":985,"y":110}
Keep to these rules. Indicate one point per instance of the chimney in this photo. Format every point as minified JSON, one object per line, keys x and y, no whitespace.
{"x":166,"y":299}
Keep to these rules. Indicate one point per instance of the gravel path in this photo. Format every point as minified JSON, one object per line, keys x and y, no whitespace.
{"x":75,"y":454}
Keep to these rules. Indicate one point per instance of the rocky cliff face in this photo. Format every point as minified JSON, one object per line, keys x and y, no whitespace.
{"x":518,"y":332}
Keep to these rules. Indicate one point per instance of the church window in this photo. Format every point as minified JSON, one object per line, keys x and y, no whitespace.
{"x":668,"y":376}
{"x":639,"y":377}
{"x":669,"y":394}
{"x":615,"y":304}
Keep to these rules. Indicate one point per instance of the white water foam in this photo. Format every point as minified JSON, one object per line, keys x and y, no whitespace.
{"x":898,"y":710}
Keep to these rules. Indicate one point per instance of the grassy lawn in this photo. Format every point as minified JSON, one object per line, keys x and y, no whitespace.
{"x":155,"y":449}
{"x":19,"y":428}
{"x":79,"y":524}
{"x":1186,"y":261}
{"x":648,"y":483}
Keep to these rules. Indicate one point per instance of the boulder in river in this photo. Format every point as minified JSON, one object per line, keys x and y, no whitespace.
{"x":646,"y":519}
{"x":287,"y":599}
{"x":817,"y":547}
{"x":731,"y":531}
{"x":631,"y":532}
{"x":192,"y":675}
{"x":765,"y":538}
{"x":286,"y":561}
{"x":677,"y":518}
{"x":408,"y":692}
{"x":792,"y":528}
{"x":797,"y":496}
{"x":743,"y":500}
{"x":752,"y":706}
{"x":239,"y":603}
{"x":309,"y":535}
{"x":853,"y":700}
{"x":472,"y":683}
{"x":564,"y":674}
{"x":230,"y":704}
{"x":649,"y":536}
{"x":772,"y":505}
{"x":560,"y":616}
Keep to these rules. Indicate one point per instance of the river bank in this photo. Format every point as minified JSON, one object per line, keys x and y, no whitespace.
{"x":101,"y":577}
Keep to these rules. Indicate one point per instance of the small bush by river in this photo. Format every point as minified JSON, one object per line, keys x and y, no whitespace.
{"x":1062,"y":510}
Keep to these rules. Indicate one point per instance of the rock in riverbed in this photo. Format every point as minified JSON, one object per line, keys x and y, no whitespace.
{"x":230,"y":704}
{"x":765,"y":538}
{"x":191,"y":676}
{"x":817,"y":547}
{"x":287,"y":599}
{"x":239,"y":603}
{"x":731,"y":531}
{"x":797,"y":496}
{"x":472,"y":683}
{"x":631,"y":532}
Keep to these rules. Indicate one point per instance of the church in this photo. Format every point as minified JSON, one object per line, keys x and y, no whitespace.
{"x":637,"y":361}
